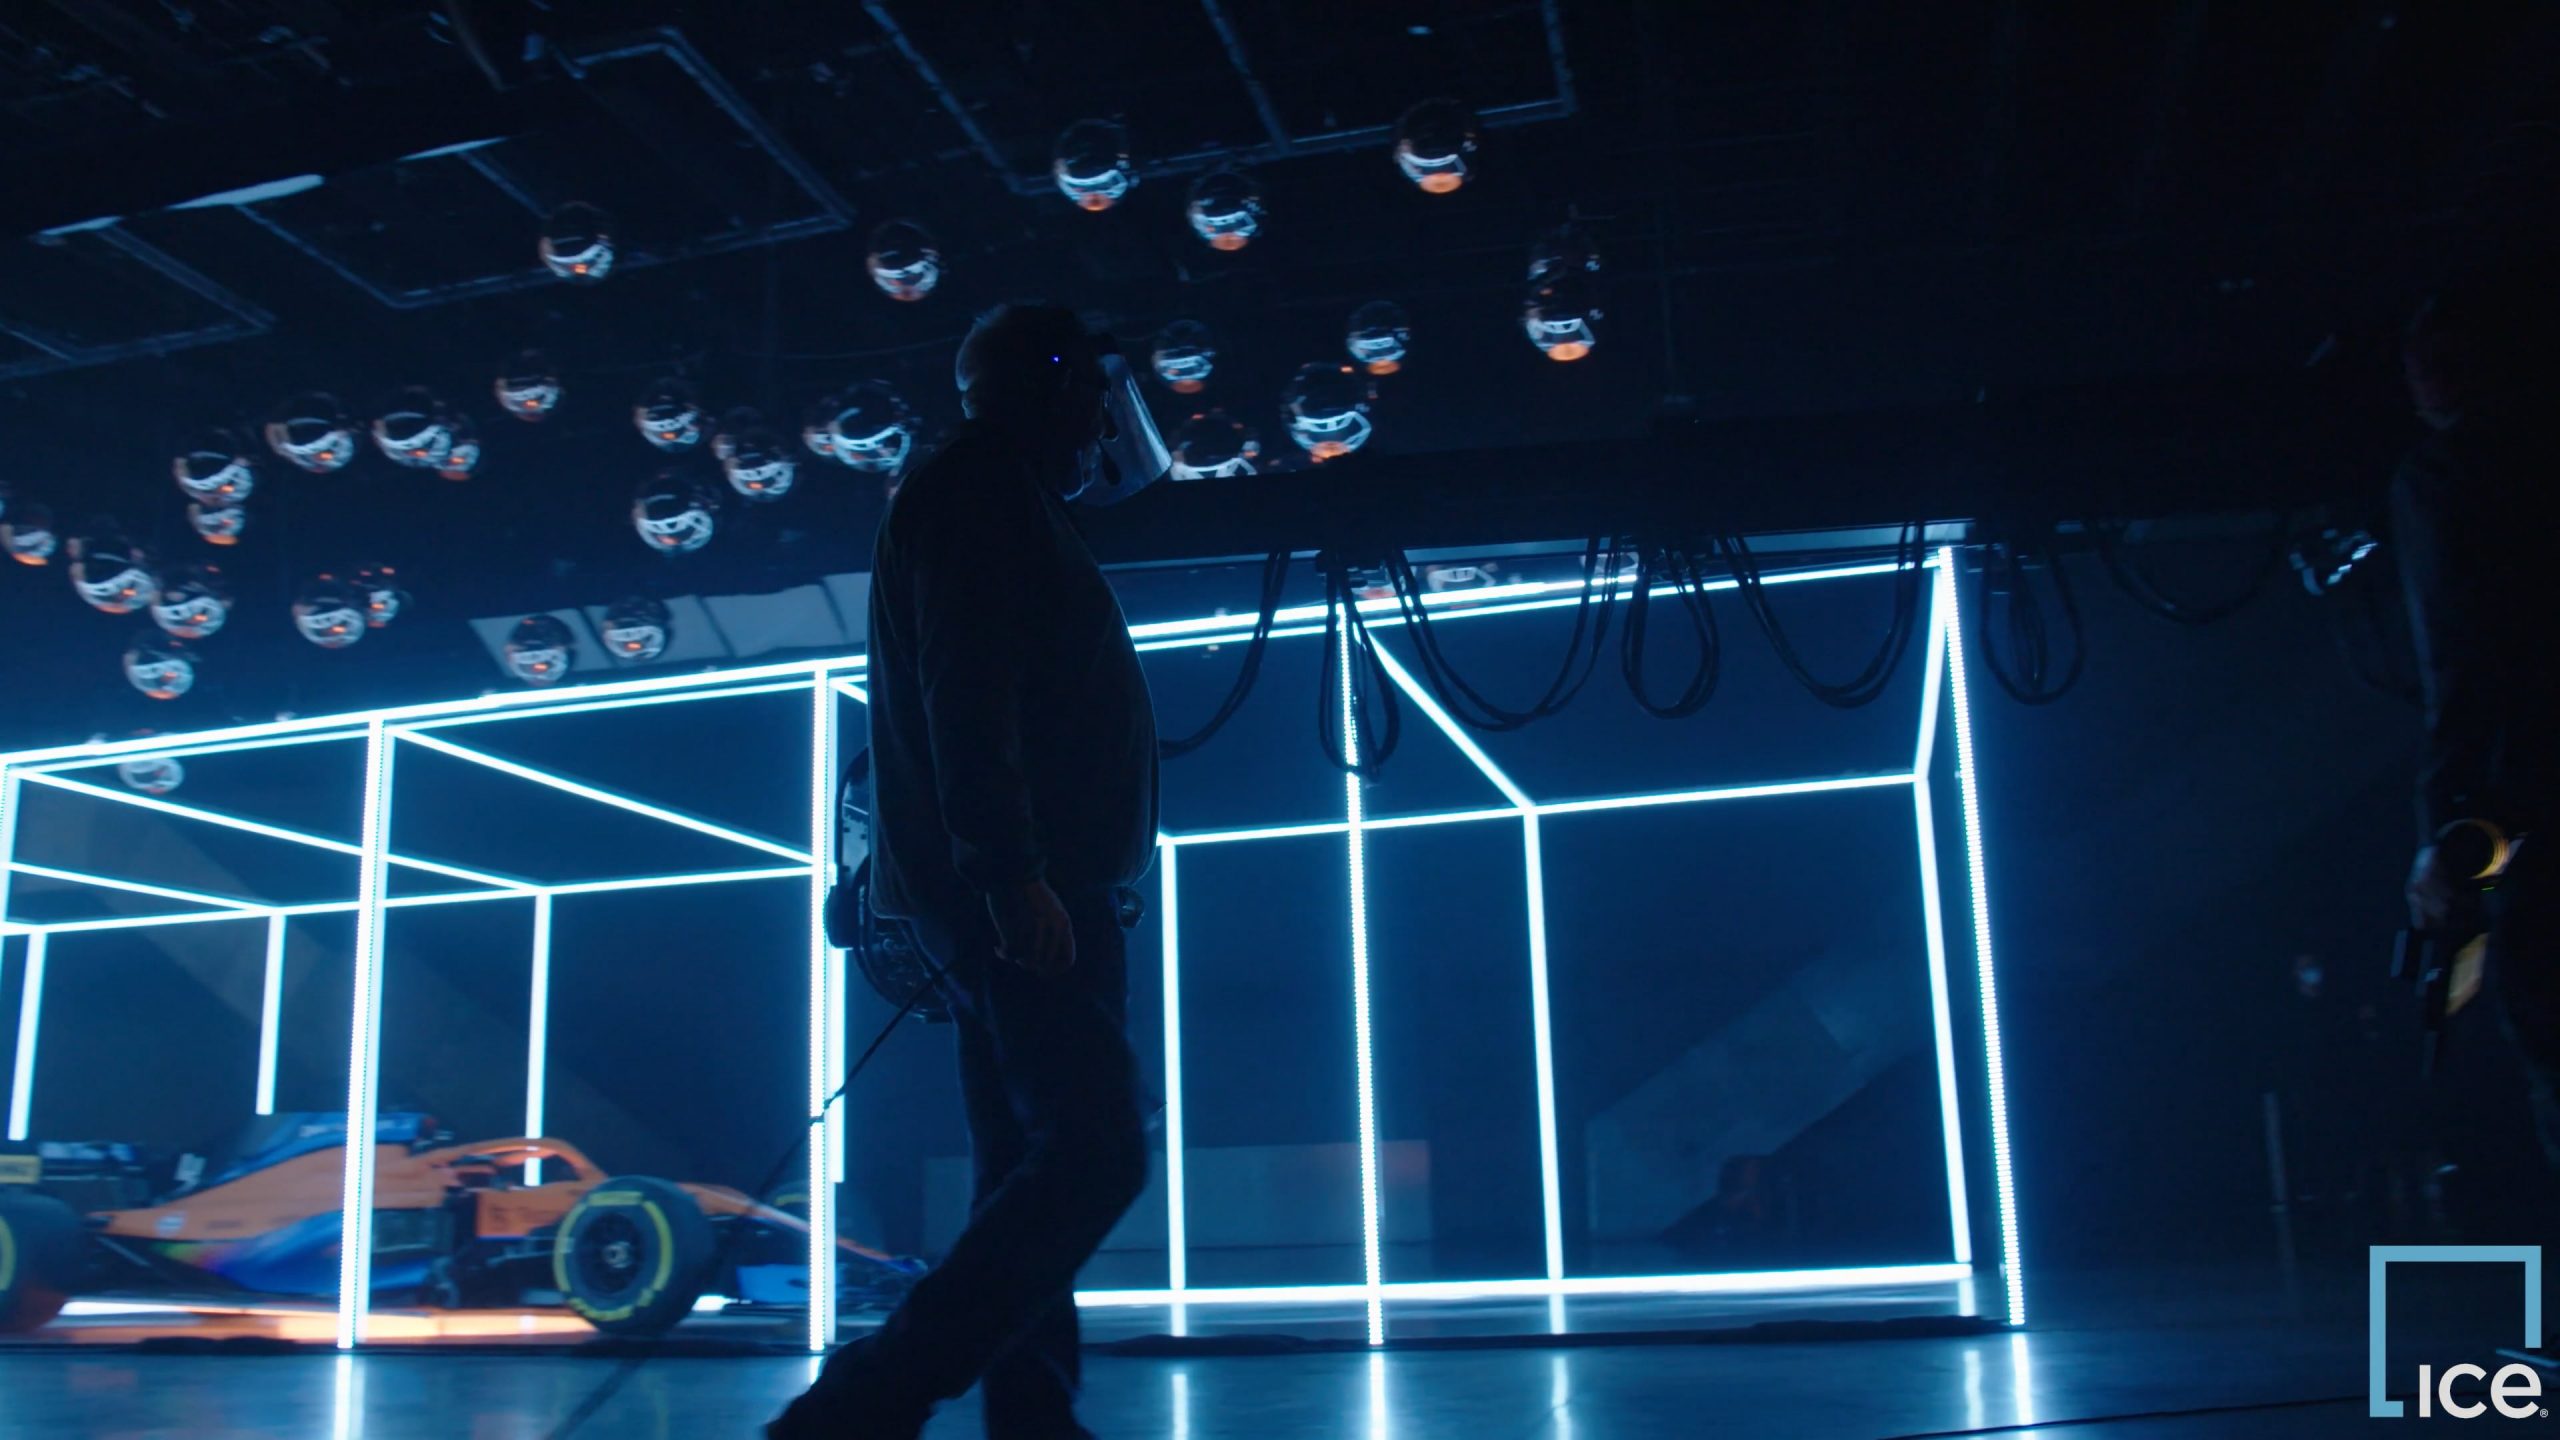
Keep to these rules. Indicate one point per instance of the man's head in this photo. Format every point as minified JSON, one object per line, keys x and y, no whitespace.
{"x":1037,"y":368}
{"x":2486,"y":341}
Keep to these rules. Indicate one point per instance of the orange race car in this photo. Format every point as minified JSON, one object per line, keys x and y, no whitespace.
{"x":454,"y":1226}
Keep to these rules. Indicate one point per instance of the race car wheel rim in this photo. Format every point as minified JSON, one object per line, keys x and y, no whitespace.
{"x":609,"y":1253}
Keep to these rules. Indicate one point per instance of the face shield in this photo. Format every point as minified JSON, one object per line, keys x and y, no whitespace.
{"x":1131,"y":455}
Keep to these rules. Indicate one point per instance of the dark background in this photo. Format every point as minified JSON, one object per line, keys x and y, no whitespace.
{"x":1824,"y":210}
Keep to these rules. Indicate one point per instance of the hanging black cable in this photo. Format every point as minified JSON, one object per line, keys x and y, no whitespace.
{"x":1689,"y":586}
{"x":1376,"y":714}
{"x":2130,"y":576}
{"x":1470,"y":706}
{"x":1876,"y":676}
{"x":1275,"y":578}
{"x":2028,"y":675}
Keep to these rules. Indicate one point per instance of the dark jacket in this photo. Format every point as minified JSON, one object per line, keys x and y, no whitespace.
{"x":2469,"y":520}
{"x":1011,"y":732}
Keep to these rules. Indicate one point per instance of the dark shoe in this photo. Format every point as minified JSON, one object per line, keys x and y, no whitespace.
{"x":850,"y":1401}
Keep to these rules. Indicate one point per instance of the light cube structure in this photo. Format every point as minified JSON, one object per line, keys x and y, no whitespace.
{"x":806,"y":859}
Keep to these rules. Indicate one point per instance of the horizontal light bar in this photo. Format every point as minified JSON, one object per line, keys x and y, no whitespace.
{"x":1274,"y":832}
{"x":1537,"y":593}
{"x":526,"y":701}
{"x":1560,"y":807}
{"x":661,"y":882}
{"x":602,"y":797}
{"x":210,"y":747}
{"x":1736,"y":792}
{"x":1447,"y":817}
{"x":1744,"y":1282}
{"x":849,"y":688}
{"x":628,"y":702}
{"x":405,"y":902}
{"x":1235,"y":637}
{"x":273,"y":832}
{"x":193,"y":897}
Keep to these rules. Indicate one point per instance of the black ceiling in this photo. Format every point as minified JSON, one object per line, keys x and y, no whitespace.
{"x":1804,"y":209}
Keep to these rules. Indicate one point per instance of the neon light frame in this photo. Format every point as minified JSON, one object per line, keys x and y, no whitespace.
{"x":840,"y":676}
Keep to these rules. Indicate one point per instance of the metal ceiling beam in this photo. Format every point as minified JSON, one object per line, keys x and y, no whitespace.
{"x":1281,"y":146}
{"x":2038,"y":464}
{"x":324,"y":133}
{"x":832,"y":211}
{"x":1272,"y":125}
{"x":246,"y":319}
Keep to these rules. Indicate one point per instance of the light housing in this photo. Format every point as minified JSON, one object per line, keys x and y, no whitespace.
{"x":1091,"y":164}
{"x":577,"y":243}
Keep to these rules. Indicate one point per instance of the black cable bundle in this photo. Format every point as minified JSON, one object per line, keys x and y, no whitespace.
{"x":1376,"y":713}
{"x":1910,"y":550}
{"x":2131,"y":578}
{"x":1275,"y":577}
{"x":1465,"y":701}
{"x":1690,"y":586}
{"x":2029,"y":678}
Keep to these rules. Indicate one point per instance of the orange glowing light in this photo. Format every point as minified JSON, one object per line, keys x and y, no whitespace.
{"x":1095,"y":202}
{"x":579,"y":268}
{"x":1568,"y":350}
{"x":1327,"y":449}
{"x":1441,"y":183}
{"x":1189,"y":387}
{"x":1227,"y":242}
{"x":1385,"y":367}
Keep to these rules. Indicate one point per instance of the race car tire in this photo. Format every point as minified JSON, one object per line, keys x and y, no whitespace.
{"x":632,"y":1255}
{"x":40,"y":1246}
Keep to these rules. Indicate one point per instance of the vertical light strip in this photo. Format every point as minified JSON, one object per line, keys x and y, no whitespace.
{"x":537,"y":1033}
{"x":22,"y":1075}
{"x":270,"y":1014}
{"x":823,"y":1000}
{"x":826,"y":855}
{"x":1177,"y":1233}
{"x":1999,"y":1083}
{"x":1542,"y":1033}
{"x":1534,"y":880}
{"x":364,"y":1049}
{"x":1933,"y":923}
{"x":1371,"y":1260}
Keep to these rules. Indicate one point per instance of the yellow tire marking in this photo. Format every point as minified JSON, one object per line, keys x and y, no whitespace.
{"x":561,"y":1245}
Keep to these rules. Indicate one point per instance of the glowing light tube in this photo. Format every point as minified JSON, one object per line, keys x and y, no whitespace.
{"x":1967,"y":778}
{"x":364,"y":1051}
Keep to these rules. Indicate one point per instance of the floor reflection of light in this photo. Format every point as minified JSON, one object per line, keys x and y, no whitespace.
{"x":1973,"y":1416}
{"x":1377,"y":1396}
{"x":1560,"y":1395}
{"x":347,"y":1401}
{"x":1181,"y":1404}
{"x":2022,"y":1379}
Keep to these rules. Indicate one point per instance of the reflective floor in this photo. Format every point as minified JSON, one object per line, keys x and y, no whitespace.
{"x":2150,"y":1356}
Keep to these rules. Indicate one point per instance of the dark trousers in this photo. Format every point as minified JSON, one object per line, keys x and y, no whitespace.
{"x":1059,"y":1152}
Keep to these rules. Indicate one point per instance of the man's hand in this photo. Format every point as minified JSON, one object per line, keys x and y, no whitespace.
{"x":2431,"y":889}
{"x":1032,"y":929}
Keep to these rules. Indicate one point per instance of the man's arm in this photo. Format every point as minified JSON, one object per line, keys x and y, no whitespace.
{"x":977,"y":582}
{"x":2451,"y":622}
{"x":973,"y":577}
